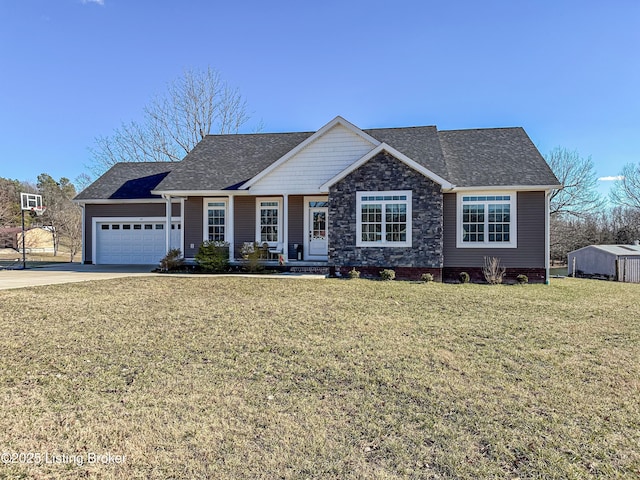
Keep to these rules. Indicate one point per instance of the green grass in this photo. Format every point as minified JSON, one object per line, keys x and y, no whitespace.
{"x":259,"y":378}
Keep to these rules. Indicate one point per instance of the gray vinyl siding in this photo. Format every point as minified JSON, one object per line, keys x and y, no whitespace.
{"x":296,"y":224}
{"x":193,"y":228}
{"x":531,"y":236}
{"x":120,"y":210}
{"x":244,"y":222}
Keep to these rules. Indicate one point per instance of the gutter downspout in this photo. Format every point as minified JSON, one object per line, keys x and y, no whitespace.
{"x":547,"y":238}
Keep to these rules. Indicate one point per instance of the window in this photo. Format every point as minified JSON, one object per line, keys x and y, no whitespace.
{"x":487,"y":220}
{"x":216,"y":221}
{"x":148,"y":226}
{"x":384,"y":219}
{"x":268,"y":220}
{"x":126,"y":226}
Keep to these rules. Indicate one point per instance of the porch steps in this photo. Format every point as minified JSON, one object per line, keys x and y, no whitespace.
{"x":313,"y":270}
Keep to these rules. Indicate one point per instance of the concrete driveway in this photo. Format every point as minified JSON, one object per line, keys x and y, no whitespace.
{"x":76,"y":272}
{"x":69,"y":273}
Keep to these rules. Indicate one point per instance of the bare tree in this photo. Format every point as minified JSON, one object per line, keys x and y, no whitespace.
{"x":579,"y":195}
{"x":61,"y":215}
{"x":626,"y":190}
{"x":196,"y":104}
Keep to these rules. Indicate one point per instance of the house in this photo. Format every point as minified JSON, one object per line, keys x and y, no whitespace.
{"x":413,"y":199}
{"x":615,"y":262}
{"x":36,"y":240}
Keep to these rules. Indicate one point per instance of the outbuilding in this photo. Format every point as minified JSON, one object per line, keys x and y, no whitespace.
{"x":614,"y":262}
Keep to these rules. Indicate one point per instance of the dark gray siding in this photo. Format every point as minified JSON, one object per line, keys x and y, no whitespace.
{"x":120,"y":210}
{"x":296,"y":223}
{"x":531,"y":236}
{"x":244,"y":222}
{"x":193,"y":228}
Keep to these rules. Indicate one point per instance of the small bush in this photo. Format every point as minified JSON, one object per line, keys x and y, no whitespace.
{"x":387,"y":274}
{"x":492,"y":270}
{"x":252,"y":254}
{"x":353,"y":273}
{"x":172,"y":260}
{"x":464,"y":277}
{"x":426,"y":277}
{"x":213,"y":256}
{"x":522,"y":279}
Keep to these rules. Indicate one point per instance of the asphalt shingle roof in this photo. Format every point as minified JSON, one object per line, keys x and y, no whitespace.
{"x":128,"y":181}
{"x":493,"y":157}
{"x":466,"y":158}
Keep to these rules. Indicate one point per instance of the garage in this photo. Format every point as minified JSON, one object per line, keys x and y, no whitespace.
{"x":138,"y":242}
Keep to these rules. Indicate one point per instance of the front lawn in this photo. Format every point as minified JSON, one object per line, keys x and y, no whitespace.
{"x":275,"y":378}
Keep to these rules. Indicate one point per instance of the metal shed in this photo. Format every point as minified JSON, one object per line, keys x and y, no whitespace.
{"x":615,"y":262}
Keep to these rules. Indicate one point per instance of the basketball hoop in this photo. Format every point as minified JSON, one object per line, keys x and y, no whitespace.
{"x":38,"y":211}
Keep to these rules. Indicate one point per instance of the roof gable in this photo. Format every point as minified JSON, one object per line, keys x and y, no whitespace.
{"x":398,"y":155}
{"x":312,"y":163}
{"x":338,"y":136}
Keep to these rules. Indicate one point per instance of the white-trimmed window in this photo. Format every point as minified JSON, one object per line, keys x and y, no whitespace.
{"x":487,"y":220}
{"x":383,"y":219}
{"x":215,"y":219}
{"x":268,"y":220}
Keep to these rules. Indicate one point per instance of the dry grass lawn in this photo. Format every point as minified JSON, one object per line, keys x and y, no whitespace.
{"x":233,"y":378}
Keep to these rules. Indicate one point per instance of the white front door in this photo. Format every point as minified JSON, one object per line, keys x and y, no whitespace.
{"x":318,"y":240}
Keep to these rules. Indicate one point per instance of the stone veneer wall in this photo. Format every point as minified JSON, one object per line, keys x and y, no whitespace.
{"x":386,"y":173}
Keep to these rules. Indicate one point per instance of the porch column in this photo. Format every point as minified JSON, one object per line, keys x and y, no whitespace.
{"x":230,"y":229}
{"x":285,"y":227}
{"x":167,"y":236}
{"x":182,"y":200}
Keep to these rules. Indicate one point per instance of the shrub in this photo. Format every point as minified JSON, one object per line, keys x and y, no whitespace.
{"x":426,"y":277}
{"x":172,"y":260}
{"x":492,"y":270}
{"x":353,"y":273}
{"x":464,"y":277}
{"x":522,"y":279}
{"x":387,"y":274}
{"x":213,"y":256}
{"x":251,"y":253}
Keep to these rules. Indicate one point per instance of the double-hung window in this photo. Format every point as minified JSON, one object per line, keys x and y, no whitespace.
{"x":215,"y":220}
{"x":487,"y":220}
{"x":268,"y":220}
{"x":383,"y":219}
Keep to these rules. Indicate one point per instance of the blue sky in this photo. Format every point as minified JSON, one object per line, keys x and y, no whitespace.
{"x":566,"y":71}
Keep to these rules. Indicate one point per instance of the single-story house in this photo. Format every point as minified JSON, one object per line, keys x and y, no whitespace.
{"x":615,"y":262}
{"x":413,"y":199}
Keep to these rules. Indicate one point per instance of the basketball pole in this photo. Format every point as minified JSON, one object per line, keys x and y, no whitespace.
{"x":24,"y":252}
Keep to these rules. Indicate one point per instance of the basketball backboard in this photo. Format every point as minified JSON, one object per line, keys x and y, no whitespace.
{"x":31,"y":201}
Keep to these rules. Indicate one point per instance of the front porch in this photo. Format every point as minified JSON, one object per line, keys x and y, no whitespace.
{"x":290,"y":228}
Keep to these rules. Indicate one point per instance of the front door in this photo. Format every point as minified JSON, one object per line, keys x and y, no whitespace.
{"x":318,"y":241}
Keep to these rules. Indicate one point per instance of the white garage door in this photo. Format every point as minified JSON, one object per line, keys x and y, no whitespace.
{"x":129,"y":243}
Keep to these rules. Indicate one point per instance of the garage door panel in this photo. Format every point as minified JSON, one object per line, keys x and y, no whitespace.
{"x":140,"y":242}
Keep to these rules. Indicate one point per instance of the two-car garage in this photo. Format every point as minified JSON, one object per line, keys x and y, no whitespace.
{"x":133,"y":241}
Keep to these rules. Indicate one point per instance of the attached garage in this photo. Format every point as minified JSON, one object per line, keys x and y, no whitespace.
{"x":135,"y":241}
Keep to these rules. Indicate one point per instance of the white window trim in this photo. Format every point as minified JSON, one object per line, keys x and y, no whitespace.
{"x":280,"y":219}
{"x":205,"y":216}
{"x":384,"y":243}
{"x":513,"y":223}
